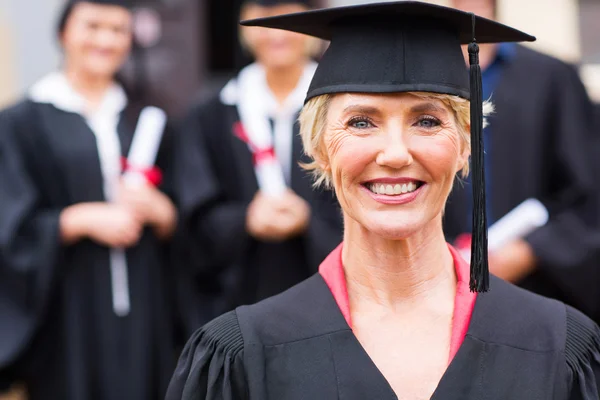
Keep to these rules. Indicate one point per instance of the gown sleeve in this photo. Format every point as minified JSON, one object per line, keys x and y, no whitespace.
{"x":211,"y":223}
{"x":211,"y":365}
{"x":30,"y":246}
{"x":582,"y":352}
{"x":568,"y":246}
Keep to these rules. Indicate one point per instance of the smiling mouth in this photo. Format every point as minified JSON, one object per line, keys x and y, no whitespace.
{"x":393,"y":189}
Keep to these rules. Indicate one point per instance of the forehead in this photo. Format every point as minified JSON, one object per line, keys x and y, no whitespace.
{"x":384,"y":101}
{"x":251,"y":11}
{"x":100,"y":12}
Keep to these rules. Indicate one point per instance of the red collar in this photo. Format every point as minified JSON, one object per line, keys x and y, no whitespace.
{"x":332,"y":271}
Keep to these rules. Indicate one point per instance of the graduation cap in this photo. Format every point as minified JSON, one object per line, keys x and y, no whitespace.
{"x":407,"y":46}
{"x":68,"y":8}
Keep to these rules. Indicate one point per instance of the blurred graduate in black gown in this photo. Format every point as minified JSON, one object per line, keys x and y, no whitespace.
{"x":248,"y":205}
{"x":538,"y":146}
{"x":84,"y":304}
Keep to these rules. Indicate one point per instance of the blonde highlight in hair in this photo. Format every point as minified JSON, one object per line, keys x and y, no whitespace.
{"x":313,"y":120}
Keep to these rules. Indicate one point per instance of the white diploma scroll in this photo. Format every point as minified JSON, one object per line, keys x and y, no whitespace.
{"x":145,"y":144}
{"x":269,"y":175}
{"x":142,"y":156}
{"x":518,"y":223}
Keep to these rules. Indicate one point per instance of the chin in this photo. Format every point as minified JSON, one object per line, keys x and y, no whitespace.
{"x":281,"y":62}
{"x":393,"y":227}
{"x":102,"y":70}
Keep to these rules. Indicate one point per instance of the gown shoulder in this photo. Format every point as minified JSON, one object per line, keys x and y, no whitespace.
{"x":582,"y":353}
{"x":526,"y":320}
{"x":211,"y":365}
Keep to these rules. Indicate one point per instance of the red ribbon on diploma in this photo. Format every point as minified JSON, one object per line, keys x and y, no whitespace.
{"x":153,"y":175}
{"x":259,"y":155}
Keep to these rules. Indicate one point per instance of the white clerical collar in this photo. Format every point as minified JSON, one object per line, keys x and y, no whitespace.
{"x":55,"y":89}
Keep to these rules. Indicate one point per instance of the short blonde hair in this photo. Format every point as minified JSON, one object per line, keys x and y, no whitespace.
{"x":313,"y":120}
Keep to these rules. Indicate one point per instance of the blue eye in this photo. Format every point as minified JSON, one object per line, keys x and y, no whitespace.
{"x":428,"y":123}
{"x":360,"y":123}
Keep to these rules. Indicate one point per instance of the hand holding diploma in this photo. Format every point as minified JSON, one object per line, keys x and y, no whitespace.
{"x":510,"y":256}
{"x":141,"y":198}
{"x":150,"y":205}
{"x":277,"y":218}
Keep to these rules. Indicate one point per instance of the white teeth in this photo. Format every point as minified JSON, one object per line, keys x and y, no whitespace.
{"x":392,"y":190}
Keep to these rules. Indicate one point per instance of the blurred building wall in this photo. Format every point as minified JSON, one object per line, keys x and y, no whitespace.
{"x":555,"y":23}
{"x":7,"y":66}
{"x":30,"y":39}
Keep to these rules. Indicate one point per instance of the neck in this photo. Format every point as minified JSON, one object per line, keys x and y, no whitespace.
{"x":91,"y":87}
{"x":397,"y":273}
{"x":487,"y":53}
{"x":283,"y":81}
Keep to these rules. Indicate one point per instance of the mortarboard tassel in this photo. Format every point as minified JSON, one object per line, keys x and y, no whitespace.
{"x":480,"y":278}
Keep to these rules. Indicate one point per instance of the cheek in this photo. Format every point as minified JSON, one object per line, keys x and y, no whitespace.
{"x":439,"y":155}
{"x":298,"y":42}
{"x":75,"y":47}
{"x":123,"y":46}
{"x":349,"y":155}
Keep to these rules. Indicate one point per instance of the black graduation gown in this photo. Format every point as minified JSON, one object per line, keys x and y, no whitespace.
{"x":297,"y":345}
{"x":218,"y":183}
{"x":58,"y":331}
{"x":541,"y":142}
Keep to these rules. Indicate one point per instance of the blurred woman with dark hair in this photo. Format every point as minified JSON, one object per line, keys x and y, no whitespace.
{"x":82,"y":250}
{"x":252,"y":204}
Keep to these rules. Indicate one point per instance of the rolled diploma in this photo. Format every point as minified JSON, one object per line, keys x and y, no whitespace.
{"x":270,"y":177}
{"x":145,"y":144}
{"x":142,"y":156}
{"x":518,"y":223}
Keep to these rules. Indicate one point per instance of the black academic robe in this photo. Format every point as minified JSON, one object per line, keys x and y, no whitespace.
{"x":219,"y":182}
{"x":58,"y":332}
{"x":541,"y":142}
{"x":297,"y":345}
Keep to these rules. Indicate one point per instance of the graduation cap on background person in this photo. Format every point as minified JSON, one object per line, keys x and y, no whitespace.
{"x":69,"y":4}
{"x":407,"y":46}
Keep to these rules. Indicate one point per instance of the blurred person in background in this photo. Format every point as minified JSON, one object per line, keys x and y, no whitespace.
{"x":71,"y":328}
{"x":537,"y":146}
{"x":248,"y":206}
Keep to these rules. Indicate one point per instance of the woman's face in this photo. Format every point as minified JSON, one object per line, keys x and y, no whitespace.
{"x":275,"y":48}
{"x":393,"y":159}
{"x":97,"y":38}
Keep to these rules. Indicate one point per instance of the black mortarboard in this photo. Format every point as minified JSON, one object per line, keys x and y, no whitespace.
{"x":71,"y":3}
{"x":407,"y":46}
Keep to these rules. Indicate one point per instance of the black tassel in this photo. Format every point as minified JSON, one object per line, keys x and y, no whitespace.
{"x":480,"y":279}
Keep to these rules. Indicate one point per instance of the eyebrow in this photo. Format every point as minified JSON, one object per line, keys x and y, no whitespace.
{"x":427,"y":107}
{"x":361,"y":109}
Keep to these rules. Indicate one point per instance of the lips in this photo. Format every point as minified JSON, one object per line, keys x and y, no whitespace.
{"x":393,"y":187}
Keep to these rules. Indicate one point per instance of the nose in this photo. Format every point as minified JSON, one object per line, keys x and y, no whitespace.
{"x":106,"y":38}
{"x":395,"y":152}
